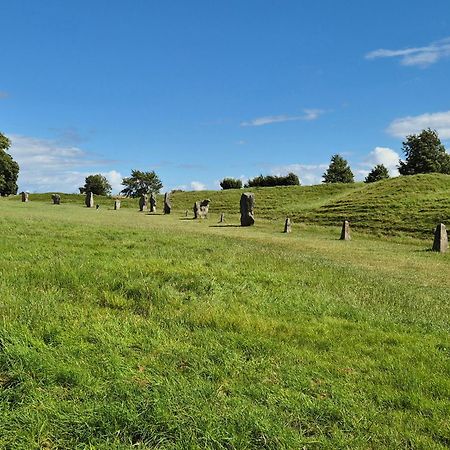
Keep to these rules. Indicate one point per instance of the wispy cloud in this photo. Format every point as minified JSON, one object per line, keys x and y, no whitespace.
{"x":308,"y":114}
{"x":3,"y":94}
{"x":404,"y":126}
{"x":197,"y":186}
{"x":48,"y":166}
{"x":416,"y":56}
{"x":308,"y":173}
{"x":383,"y":155}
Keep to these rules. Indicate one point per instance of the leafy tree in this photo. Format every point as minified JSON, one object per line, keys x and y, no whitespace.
{"x":231,"y":183}
{"x":379,"y":172}
{"x":9,"y":169}
{"x":97,"y":184}
{"x":338,"y":171}
{"x":272,"y":180}
{"x":141,"y":183}
{"x":424,"y":153}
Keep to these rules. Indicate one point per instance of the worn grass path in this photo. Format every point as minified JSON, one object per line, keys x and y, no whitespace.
{"x":123,"y":330}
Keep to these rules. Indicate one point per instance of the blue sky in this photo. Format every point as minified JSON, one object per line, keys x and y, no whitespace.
{"x":205,"y":89}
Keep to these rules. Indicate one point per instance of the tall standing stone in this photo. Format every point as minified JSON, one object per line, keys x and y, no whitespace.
{"x":287,"y":225}
{"x":89,"y":200}
{"x":116,"y":205}
{"x":167,"y":205}
{"x":201,"y":209}
{"x":440,"y":243}
{"x":247,"y":206}
{"x":222,"y":218}
{"x":25,"y":197}
{"x":345,"y":233}
{"x":152,"y":203}
{"x":142,"y":202}
{"x":56,"y":199}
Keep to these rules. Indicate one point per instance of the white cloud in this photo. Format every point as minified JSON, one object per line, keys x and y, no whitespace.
{"x":385,"y":156}
{"x":197,"y":186}
{"x":47,"y":166}
{"x":115,"y":180}
{"x":309,"y":114}
{"x":308,"y":173}
{"x":416,"y":56}
{"x":404,"y":126}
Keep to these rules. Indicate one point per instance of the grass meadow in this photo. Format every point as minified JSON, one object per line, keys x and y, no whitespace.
{"x":122,"y":330}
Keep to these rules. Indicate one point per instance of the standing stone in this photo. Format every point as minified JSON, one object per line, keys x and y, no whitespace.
{"x":116,"y":205}
{"x":167,"y":205}
{"x":25,"y":197}
{"x":89,"y":200}
{"x":345,"y":233}
{"x":222,"y":218}
{"x":142,"y":202}
{"x":152,"y":203}
{"x":56,"y":199}
{"x":186,"y":213}
{"x":440,"y":243}
{"x":247,"y":207}
{"x":287,"y":225}
{"x":201,"y":209}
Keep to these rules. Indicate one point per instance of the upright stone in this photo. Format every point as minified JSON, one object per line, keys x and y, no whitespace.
{"x":247,"y":207}
{"x":222,"y":218}
{"x":56,"y":199}
{"x":167,"y":205}
{"x":116,"y":205}
{"x":142,"y":202}
{"x":345,"y":233}
{"x":89,"y":200}
{"x":440,"y":243}
{"x":287,"y":225}
{"x":152,"y":203}
{"x":186,"y":213}
{"x":201,"y":209}
{"x":25,"y":197}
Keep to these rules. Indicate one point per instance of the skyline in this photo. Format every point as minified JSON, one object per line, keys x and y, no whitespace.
{"x":200,"y":92}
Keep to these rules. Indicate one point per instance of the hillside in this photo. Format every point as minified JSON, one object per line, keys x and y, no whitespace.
{"x":413,"y":205}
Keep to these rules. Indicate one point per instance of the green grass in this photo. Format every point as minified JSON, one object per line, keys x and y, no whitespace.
{"x":121,"y":329}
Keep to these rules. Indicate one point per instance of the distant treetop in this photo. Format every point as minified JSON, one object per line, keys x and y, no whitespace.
{"x":140,"y":183}
{"x":338,"y":171}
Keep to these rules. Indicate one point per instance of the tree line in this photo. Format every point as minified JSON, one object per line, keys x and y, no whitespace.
{"x":424,"y":153}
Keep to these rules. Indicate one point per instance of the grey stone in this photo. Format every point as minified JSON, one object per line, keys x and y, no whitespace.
{"x":287,"y":225}
{"x":440,"y":243}
{"x":152,"y":203}
{"x":345,"y":233}
{"x":167,"y":205}
{"x":201,"y":209}
{"x":186,"y":213}
{"x":116,"y":205}
{"x":247,"y":206}
{"x":56,"y":199}
{"x":222,"y":218}
{"x":25,"y":196}
{"x":142,"y":202}
{"x":89,"y":200}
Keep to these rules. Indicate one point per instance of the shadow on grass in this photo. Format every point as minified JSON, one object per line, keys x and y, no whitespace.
{"x":225,"y":226}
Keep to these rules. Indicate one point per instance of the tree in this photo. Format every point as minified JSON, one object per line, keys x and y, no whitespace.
{"x":338,"y":171}
{"x":97,"y":184}
{"x":272,"y":180}
{"x":140,"y":183}
{"x":379,"y":172}
{"x":9,"y":169}
{"x":231,"y":183}
{"x":424,"y":153}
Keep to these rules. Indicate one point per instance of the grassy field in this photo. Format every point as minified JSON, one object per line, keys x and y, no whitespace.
{"x":127,"y":330}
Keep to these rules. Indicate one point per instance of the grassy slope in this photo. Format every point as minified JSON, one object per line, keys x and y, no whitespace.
{"x":121,"y":328}
{"x":413,"y":205}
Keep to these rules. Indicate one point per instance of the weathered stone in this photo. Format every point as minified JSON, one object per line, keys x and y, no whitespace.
{"x":152,"y":203}
{"x":222,"y":218}
{"x":25,"y":196}
{"x":56,"y":199}
{"x":440,"y":243}
{"x":201,"y":209}
{"x":89,"y":200}
{"x":167,"y":205}
{"x":287,"y":225}
{"x":345,"y":233}
{"x":97,"y":207}
{"x":247,"y":206}
{"x":142,"y":202}
{"x":116,"y":205}
{"x":186,"y":213}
